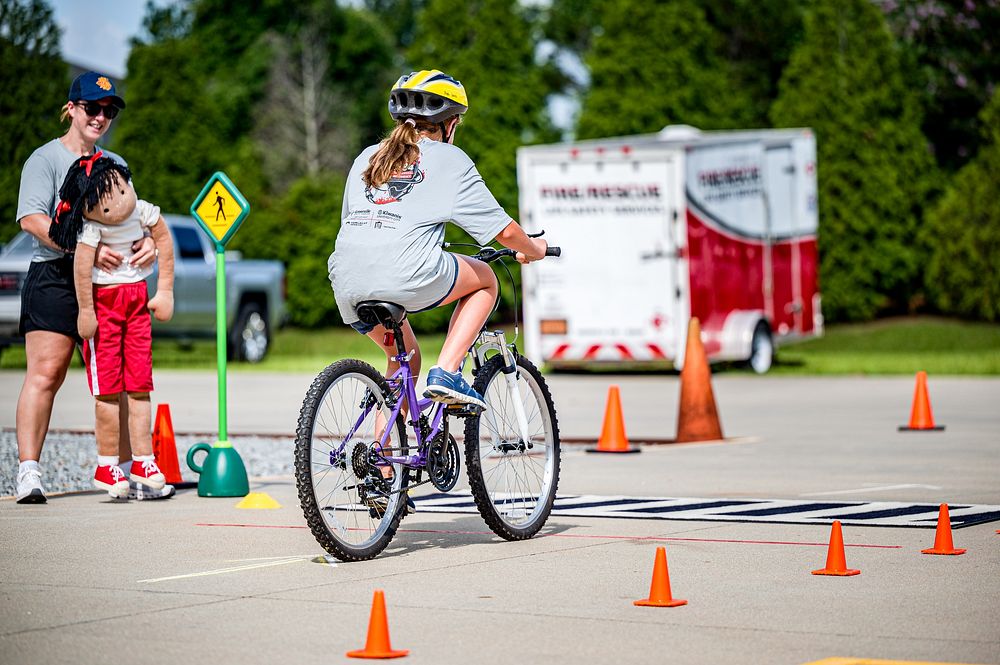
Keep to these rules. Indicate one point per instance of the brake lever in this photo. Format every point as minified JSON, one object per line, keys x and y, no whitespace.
{"x":537,"y":235}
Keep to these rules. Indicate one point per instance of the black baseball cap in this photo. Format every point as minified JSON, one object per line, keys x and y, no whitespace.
{"x":91,"y":86}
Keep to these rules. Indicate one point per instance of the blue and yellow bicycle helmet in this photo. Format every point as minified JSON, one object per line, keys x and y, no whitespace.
{"x":429,"y":95}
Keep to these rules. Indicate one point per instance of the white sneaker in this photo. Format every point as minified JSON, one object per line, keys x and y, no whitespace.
{"x":140,"y":492}
{"x":29,"y":486}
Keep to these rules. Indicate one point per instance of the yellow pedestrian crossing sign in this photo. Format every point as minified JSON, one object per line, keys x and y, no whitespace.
{"x":220,"y":208}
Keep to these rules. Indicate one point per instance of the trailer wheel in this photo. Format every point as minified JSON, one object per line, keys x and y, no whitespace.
{"x":761,"y":349}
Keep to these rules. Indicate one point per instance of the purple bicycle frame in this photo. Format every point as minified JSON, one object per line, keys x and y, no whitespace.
{"x":403,"y":384}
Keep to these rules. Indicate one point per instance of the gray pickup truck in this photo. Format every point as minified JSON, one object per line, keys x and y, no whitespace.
{"x":255,"y":292}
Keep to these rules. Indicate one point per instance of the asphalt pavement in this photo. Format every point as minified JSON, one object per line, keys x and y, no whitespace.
{"x":198,"y":580}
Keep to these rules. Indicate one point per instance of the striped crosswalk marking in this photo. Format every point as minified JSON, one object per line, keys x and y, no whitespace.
{"x":785,"y":511}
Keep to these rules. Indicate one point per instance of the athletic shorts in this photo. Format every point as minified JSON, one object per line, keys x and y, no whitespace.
{"x":48,"y":298}
{"x":365,"y":328}
{"x":120,"y":357}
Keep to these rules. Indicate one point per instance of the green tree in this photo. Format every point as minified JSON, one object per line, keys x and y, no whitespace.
{"x":758,"y":38}
{"x":875,"y":170}
{"x":655,"y":64}
{"x":32,"y":74}
{"x":963,"y":275}
{"x":399,"y":17}
{"x":953,"y":46}
{"x":279,"y":96}
{"x":488,"y":46}
{"x":172,"y":134}
{"x":300,"y":227}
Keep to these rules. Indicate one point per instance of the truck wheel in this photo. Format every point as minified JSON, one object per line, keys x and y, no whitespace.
{"x":251,"y":336}
{"x":761,"y":349}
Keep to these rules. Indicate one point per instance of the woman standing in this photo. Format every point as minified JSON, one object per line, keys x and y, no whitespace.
{"x":48,"y":299}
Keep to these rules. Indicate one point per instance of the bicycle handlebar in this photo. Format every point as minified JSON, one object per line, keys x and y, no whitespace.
{"x":488,"y":254}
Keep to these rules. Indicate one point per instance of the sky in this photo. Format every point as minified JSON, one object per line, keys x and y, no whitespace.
{"x":96,"y":33}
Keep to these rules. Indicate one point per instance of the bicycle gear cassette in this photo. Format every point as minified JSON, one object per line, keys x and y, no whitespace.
{"x":443,"y":463}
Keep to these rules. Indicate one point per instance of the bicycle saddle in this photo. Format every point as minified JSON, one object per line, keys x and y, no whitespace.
{"x":377,"y":312}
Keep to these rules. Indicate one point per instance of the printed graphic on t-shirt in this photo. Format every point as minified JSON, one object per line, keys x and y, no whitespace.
{"x":398,"y":186}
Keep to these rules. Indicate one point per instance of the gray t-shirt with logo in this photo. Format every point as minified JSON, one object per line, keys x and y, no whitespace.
{"x":389,"y":244}
{"x":41,"y":178}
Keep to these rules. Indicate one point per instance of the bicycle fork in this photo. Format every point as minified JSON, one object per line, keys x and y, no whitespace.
{"x":498,"y":341}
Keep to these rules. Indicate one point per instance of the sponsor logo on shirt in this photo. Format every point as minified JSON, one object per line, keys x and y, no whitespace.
{"x":398,"y":186}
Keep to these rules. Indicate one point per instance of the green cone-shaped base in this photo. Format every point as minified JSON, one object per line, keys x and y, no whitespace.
{"x":222,"y":473}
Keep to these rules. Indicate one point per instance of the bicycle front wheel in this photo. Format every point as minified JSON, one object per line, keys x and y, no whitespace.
{"x":513,"y":480}
{"x":352,"y":501}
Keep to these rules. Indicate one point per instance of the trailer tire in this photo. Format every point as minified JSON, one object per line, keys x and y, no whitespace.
{"x":250,"y":339}
{"x":761,"y":349}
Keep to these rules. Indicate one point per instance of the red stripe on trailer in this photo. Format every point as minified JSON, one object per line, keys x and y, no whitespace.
{"x":560,"y":350}
{"x":657,"y":351}
{"x":591,"y":352}
{"x":626,"y":354}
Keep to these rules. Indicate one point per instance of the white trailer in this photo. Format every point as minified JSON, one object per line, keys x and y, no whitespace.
{"x":656,"y":229}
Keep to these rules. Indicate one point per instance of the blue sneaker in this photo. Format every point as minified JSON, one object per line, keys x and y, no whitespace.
{"x":451,"y":388}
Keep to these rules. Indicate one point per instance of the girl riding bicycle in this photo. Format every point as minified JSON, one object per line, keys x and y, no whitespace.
{"x":399,"y":195}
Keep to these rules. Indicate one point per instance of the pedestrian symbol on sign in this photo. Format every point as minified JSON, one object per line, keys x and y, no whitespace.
{"x":221,"y":202}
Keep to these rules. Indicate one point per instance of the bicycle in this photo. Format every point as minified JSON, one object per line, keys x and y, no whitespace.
{"x":353,"y":476}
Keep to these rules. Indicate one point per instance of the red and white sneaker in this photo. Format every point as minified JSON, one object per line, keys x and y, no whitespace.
{"x":112,"y":479}
{"x":148,"y":474}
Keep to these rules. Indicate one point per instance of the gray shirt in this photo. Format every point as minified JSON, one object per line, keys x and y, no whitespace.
{"x":389,"y":244}
{"x":41,"y":178}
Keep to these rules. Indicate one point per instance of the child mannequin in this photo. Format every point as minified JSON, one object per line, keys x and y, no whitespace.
{"x":98,"y":205}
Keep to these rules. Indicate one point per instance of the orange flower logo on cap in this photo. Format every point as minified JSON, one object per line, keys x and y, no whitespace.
{"x":103,"y":83}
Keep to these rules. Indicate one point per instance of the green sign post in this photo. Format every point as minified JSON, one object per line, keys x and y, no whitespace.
{"x":220,"y":209}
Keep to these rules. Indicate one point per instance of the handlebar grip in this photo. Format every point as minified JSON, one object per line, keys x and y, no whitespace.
{"x":553,"y":251}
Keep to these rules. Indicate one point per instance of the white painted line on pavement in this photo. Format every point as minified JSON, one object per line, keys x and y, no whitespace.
{"x":223,"y":571}
{"x":877,"y":488}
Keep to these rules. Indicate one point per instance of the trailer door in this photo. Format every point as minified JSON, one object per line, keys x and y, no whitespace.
{"x":613,"y":295}
{"x":785,"y":259}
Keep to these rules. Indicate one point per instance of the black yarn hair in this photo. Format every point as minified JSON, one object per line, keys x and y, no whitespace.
{"x":88,"y":181}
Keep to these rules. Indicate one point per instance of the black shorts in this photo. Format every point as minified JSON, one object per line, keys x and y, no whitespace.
{"x":48,"y":298}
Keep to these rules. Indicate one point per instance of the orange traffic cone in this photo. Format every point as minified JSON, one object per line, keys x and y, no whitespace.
{"x":659,"y":590}
{"x":942,"y":537}
{"x":698,"y":419}
{"x":921,"y":418}
{"x":164,"y":446}
{"x":836,"y":562}
{"x":613,"y":439}
{"x":378,"y":645}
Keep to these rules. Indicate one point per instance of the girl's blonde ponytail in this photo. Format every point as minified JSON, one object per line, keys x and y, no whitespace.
{"x":397,"y":151}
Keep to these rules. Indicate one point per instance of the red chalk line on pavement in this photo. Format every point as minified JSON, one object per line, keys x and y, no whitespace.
{"x":571,"y":535}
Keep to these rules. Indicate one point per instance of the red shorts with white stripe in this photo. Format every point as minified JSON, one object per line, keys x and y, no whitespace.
{"x":120,"y":357}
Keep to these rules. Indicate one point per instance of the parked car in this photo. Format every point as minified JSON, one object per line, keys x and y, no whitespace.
{"x":255,"y":292}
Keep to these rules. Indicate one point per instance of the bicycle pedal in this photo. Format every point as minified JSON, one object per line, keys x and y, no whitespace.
{"x":464,"y":410}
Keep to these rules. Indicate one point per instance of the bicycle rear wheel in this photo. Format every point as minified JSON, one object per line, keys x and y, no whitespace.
{"x":513,"y":481}
{"x":351,"y":502}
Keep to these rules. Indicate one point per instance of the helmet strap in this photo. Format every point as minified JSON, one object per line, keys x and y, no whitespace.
{"x":448,"y":137}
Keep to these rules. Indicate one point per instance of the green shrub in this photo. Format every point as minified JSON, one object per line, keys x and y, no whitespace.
{"x":875,"y":171}
{"x":963,"y":230}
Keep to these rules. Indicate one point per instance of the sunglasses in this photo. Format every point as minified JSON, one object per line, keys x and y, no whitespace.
{"x":95,"y":108}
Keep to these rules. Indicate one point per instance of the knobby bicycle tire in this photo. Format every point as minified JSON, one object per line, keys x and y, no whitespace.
{"x":488,"y":373}
{"x":304,"y":464}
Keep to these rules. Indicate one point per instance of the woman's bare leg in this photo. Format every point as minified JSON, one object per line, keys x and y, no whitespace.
{"x":49,"y":355}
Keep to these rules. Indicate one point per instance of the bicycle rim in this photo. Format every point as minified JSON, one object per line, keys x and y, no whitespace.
{"x":514,"y":484}
{"x":351,"y":506}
